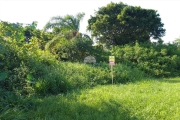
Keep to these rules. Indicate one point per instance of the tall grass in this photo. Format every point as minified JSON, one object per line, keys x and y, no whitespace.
{"x":65,"y":76}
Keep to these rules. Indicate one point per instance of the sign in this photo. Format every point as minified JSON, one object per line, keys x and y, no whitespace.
{"x":111,"y":60}
{"x":89,"y":59}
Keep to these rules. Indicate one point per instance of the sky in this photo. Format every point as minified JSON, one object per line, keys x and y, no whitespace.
{"x":27,"y":11}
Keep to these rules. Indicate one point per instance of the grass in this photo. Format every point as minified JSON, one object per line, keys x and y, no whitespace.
{"x":144,"y":100}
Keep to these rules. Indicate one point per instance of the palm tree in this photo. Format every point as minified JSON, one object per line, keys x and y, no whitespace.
{"x":67,"y":36}
{"x":67,"y":26}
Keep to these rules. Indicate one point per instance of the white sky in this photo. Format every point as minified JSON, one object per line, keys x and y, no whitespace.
{"x":27,"y":11}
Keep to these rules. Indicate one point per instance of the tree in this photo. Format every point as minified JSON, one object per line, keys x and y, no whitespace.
{"x":67,"y":26}
{"x":68,"y":43}
{"x":118,"y":24}
{"x":29,"y":30}
{"x":12,"y":31}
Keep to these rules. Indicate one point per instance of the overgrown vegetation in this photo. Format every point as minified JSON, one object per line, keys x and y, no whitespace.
{"x":40,"y":67}
{"x":155,"y":59}
{"x":39,"y":71}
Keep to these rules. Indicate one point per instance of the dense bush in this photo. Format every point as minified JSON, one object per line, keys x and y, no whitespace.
{"x":36,"y":71}
{"x":75,"y":50}
{"x":155,"y":59}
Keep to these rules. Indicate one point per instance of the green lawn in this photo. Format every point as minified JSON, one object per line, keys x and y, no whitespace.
{"x":144,"y":100}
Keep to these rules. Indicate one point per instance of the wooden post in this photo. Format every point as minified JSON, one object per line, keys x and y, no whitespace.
{"x":112,"y":72}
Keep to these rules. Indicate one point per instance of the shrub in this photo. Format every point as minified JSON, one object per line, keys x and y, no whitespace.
{"x":159,"y":60}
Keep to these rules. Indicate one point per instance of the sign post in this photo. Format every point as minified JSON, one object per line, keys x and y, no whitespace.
{"x":112,"y":62}
{"x":112,"y":73}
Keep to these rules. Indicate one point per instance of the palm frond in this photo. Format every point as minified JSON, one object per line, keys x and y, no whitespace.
{"x":49,"y":45}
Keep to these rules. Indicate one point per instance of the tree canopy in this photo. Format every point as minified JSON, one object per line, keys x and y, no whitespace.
{"x":119,"y":23}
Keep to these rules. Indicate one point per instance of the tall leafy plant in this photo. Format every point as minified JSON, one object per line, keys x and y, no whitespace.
{"x":156,"y":59}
